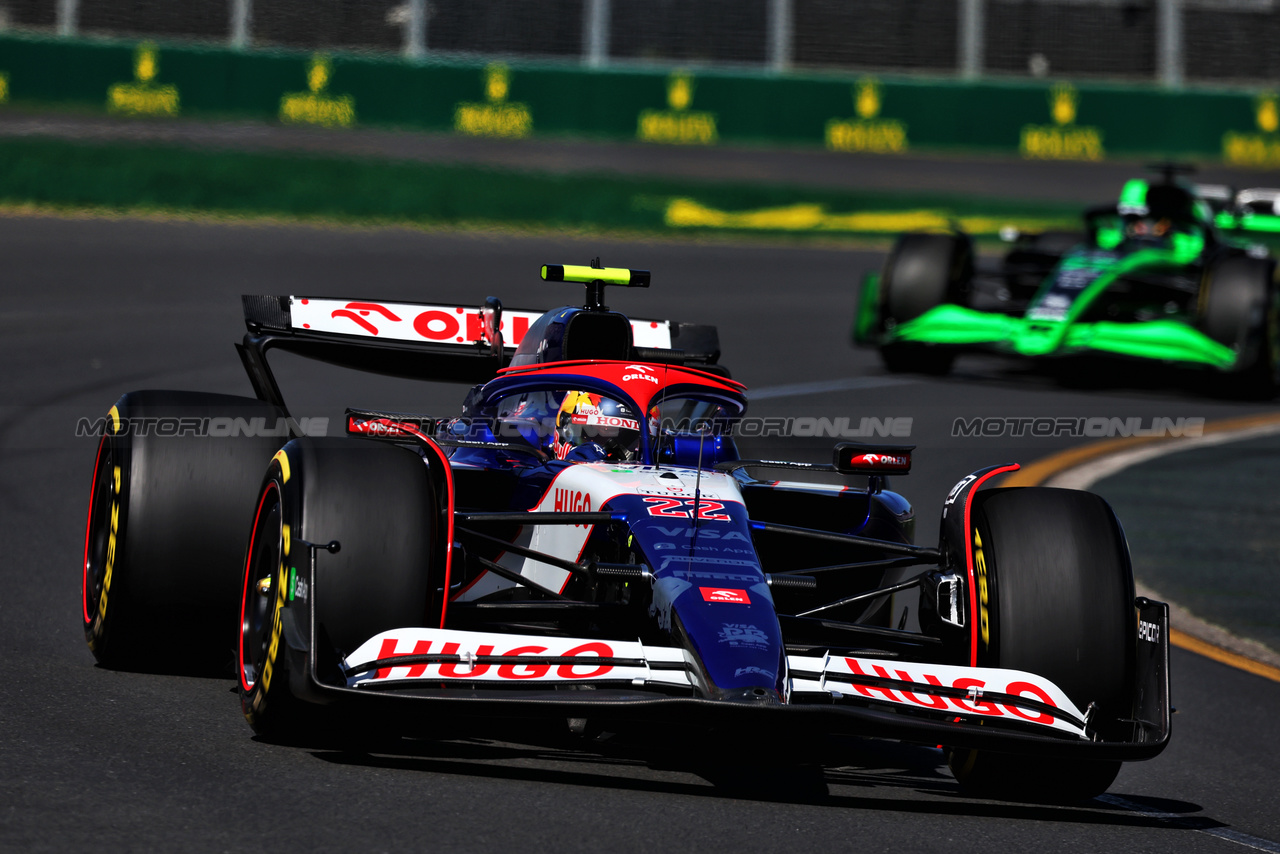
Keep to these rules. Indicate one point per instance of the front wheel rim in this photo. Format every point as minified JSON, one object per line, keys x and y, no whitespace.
{"x":257,"y":614}
{"x":97,"y":536}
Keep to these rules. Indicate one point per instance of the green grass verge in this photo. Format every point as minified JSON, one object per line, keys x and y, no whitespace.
{"x":158,"y":178}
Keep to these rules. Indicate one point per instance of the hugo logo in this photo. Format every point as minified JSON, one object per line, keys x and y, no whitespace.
{"x":570,"y":501}
{"x":521,"y":662}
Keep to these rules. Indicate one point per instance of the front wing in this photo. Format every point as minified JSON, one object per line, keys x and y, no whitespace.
{"x":412,"y":672}
{"x":1163,"y":340}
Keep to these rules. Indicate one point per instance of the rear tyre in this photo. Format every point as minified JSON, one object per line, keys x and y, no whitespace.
{"x":1059,"y":603}
{"x":1238,"y":309}
{"x":378,"y":502}
{"x":922,"y":272}
{"x":173,"y":487}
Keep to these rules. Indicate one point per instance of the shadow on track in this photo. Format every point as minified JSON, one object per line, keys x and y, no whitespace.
{"x":903,"y":779}
{"x":1099,"y":376}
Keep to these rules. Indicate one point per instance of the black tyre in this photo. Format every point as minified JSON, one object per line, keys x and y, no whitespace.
{"x":923,"y":271}
{"x":1054,"y":567}
{"x":1238,"y":308}
{"x":173,"y":488}
{"x":378,"y":502}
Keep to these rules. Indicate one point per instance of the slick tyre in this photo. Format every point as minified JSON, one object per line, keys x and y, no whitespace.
{"x":378,"y":503}
{"x":1238,"y":307}
{"x":1055,"y":599}
{"x":174,"y":481}
{"x":923,"y":271}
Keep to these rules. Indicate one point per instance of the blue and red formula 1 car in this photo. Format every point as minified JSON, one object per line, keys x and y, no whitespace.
{"x":584,"y":542}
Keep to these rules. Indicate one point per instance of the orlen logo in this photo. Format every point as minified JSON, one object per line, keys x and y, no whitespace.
{"x":725,"y":594}
{"x":880,"y":460}
{"x":377,"y":427}
{"x":569,"y":501}
{"x":358,"y":311}
{"x":642,"y":372}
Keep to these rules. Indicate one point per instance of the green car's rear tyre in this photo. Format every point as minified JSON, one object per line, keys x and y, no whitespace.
{"x":1056,"y":599}
{"x":923,"y":271}
{"x":1238,"y":307}
{"x":173,"y":487}
{"x":378,"y":502}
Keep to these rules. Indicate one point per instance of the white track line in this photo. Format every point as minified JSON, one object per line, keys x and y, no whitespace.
{"x":1087,"y":474}
{"x":770,"y":392}
{"x":1254,"y":842}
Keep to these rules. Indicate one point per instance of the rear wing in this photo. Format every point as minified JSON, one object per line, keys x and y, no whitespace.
{"x":426,"y":341}
{"x":1254,"y":209}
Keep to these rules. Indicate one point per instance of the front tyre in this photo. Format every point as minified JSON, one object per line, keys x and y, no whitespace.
{"x":1238,"y":308}
{"x":923,"y":271}
{"x":379,"y":503}
{"x":1055,"y":599}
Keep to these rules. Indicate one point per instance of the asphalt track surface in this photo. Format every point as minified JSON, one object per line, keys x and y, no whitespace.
{"x":112,"y":761}
{"x":1226,"y":580}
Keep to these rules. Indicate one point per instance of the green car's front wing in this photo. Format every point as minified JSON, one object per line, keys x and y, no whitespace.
{"x":969,"y":329}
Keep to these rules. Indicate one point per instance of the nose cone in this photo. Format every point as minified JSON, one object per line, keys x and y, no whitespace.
{"x":733,"y":631}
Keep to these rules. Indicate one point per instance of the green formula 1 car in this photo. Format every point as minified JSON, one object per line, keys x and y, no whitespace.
{"x":1152,"y":277}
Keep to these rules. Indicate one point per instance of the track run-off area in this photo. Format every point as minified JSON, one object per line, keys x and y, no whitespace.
{"x":98,"y":759}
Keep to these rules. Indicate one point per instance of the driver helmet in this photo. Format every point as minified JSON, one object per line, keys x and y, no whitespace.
{"x":1149,"y":227}
{"x":585,"y":418}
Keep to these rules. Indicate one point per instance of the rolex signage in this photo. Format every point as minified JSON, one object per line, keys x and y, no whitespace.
{"x":317,"y":106}
{"x":496,"y":116}
{"x":144,"y":96}
{"x":678,"y":124}
{"x":867,"y":132}
{"x":1064,"y":139}
{"x":1260,"y":148}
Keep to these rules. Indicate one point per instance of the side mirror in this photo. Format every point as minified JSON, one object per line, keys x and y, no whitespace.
{"x":491,"y":324}
{"x":853,"y":458}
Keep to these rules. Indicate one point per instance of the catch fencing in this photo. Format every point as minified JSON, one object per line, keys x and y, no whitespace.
{"x":1169,"y":42}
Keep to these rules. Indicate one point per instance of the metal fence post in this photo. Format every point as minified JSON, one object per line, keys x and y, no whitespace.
{"x":779,"y":47}
{"x":973,"y":19}
{"x":241,"y":26}
{"x":595,"y":32}
{"x":415,"y":29}
{"x":1170,"y":59}
{"x":68,"y":17}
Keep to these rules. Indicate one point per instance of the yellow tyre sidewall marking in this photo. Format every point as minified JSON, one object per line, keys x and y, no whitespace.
{"x":263,"y":684}
{"x":283,"y":459}
{"x":112,"y":541}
